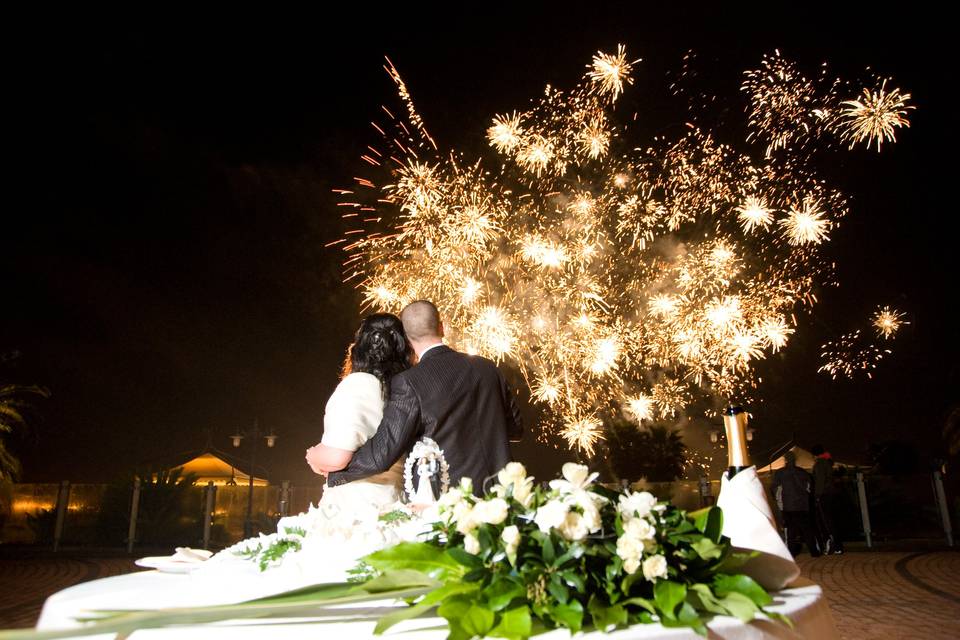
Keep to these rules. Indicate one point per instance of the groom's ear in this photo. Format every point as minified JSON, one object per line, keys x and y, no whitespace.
{"x":441,"y":329}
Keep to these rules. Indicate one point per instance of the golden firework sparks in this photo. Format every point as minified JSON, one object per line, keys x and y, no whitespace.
{"x":594,"y":272}
{"x":641,"y":407}
{"x":806,"y":224}
{"x":505,"y":134}
{"x":888,"y":321}
{"x":583,"y":433}
{"x":875,"y":117}
{"x":775,"y":332}
{"x":754,"y":214}
{"x":547,"y":390}
{"x":610,"y":72}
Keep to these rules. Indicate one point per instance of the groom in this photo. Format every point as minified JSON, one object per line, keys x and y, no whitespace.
{"x":462,"y":402}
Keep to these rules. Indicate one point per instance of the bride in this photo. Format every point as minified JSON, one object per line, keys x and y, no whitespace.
{"x":347,"y":523}
{"x":380,"y":350}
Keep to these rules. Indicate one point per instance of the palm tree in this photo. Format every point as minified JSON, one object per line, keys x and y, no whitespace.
{"x":13,"y":404}
{"x":657,"y":454}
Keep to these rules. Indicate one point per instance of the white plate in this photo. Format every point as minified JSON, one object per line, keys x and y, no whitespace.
{"x":166,"y":565}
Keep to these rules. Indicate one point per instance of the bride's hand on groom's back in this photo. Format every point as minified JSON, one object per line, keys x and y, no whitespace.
{"x":323,"y":459}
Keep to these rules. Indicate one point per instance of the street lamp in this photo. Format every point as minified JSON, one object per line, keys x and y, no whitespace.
{"x":237,"y":438}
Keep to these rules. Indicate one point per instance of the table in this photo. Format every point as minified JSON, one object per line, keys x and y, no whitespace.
{"x":803,"y":602}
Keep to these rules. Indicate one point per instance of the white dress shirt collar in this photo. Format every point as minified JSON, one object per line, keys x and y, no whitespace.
{"x":424,"y":352}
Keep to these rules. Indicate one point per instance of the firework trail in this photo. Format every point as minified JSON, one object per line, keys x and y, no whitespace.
{"x":638,"y":280}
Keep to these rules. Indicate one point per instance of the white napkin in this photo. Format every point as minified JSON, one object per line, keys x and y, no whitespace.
{"x":748,"y":522}
{"x":186,"y":554}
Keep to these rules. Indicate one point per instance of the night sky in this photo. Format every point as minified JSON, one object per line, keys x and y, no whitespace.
{"x":164,"y":268}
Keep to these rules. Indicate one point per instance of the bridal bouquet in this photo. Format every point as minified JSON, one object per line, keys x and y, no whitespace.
{"x":524,"y":558}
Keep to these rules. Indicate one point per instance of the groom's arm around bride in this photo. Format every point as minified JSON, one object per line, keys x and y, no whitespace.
{"x":462,"y":402}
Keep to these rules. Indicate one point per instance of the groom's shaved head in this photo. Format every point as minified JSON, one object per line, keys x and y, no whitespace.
{"x":421,"y":320}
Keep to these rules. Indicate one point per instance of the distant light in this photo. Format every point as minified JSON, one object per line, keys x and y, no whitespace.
{"x":236,"y":438}
{"x":271,"y":439}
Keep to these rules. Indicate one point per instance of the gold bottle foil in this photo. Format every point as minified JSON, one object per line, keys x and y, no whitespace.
{"x":735,"y":424}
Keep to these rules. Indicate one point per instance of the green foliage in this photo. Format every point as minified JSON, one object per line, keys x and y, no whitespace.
{"x":555,"y":581}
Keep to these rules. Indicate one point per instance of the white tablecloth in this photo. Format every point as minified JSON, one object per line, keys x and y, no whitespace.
{"x":804,"y":603}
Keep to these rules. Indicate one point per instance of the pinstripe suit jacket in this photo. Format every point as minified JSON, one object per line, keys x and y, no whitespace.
{"x":461,"y":401}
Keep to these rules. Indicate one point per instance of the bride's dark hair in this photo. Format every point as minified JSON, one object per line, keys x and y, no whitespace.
{"x":380,"y":348}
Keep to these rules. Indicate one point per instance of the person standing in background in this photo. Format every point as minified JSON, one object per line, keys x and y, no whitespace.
{"x":792,"y":488}
{"x":824,"y":499}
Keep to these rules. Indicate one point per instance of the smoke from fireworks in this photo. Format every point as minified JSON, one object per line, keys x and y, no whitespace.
{"x":613,"y":275}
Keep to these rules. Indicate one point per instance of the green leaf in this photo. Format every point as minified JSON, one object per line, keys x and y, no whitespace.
{"x":568,"y":615}
{"x":428,"y":602}
{"x":454,"y":608}
{"x":575,"y":580}
{"x":604,"y":616}
{"x":668,"y":595}
{"x":724,"y":584}
{"x":477,"y":620}
{"x":779,"y":617}
{"x":735,"y":561}
{"x":463,"y":557}
{"x":399,"y":579}
{"x":549,"y":553}
{"x":740,"y":606}
{"x":420,"y":556}
{"x":707,"y":549}
{"x":641,"y":602}
{"x":515,"y":624}
{"x":687,"y":617}
{"x":557,"y":589}
{"x":705,"y":598}
{"x":709,"y":522}
{"x":501,"y":593}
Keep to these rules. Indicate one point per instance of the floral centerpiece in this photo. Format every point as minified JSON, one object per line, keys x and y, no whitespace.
{"x":525,"y":558}
{"x":515,"y":562}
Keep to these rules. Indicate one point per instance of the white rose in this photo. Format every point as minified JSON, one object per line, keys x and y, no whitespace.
{"x":511,"y":536}
{"x":639,"y":529}
{"x":589,"y":502}
{"x":450,"y":499}
{"x":466,"y":517}
{"x":523,"y":491}
{"x":574,"y":527}
{"x":471,"y":544}
{"x":631,"y":565}
{"x":636,"y":504}
{"x":551,"y":515}
{"x":491,"y":511}
{"x":466,"y":485}
{"x":577,"y":476}
{"x":510,"y":474}
{"x":629,"y":548}
{"x":655,"y":567}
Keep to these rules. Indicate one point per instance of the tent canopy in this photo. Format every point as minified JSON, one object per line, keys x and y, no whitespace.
{"x":218,"y":468}
{"x":805,"y":460}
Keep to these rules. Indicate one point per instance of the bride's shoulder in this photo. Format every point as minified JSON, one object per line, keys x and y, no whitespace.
{"x":360,"y":382}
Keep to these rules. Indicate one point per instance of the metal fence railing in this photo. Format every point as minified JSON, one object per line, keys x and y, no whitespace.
{"x":865,"y":507}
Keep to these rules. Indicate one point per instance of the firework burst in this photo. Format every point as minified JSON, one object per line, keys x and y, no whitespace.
{"x":875,"y":117}
{"x":642,"y":280}
{"x":888,"y":321}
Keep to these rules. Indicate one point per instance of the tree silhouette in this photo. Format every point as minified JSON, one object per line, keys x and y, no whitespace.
{"x":13,"y":405}
{"x":657,"y":454}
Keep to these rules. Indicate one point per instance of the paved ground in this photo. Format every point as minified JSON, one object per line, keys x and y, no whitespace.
{"x":891,"y":596}
{"x":875,"y":595}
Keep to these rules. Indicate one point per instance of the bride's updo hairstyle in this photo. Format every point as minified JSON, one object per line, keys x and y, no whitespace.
{"x":379,"y":348}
